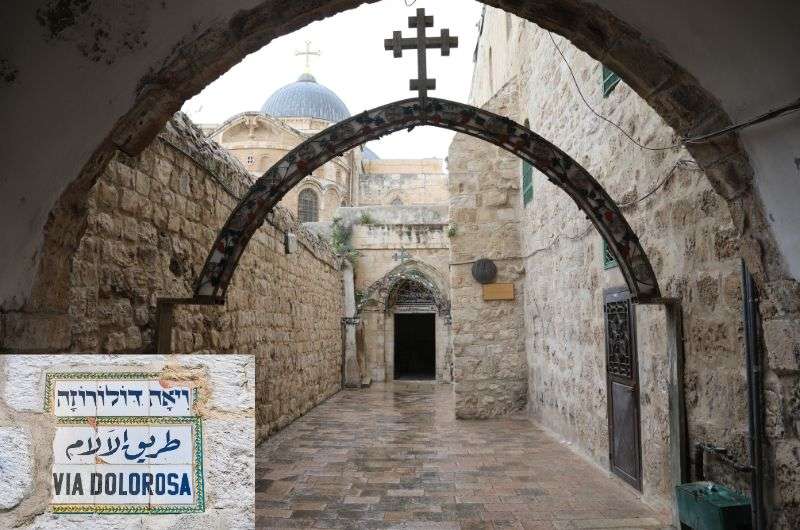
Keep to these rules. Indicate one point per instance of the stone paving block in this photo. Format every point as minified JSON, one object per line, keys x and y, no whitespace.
{"x":398,"y":469}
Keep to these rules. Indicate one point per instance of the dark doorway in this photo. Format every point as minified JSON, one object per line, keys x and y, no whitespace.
{"x":414,"y":346}
{"x":622,"y":384}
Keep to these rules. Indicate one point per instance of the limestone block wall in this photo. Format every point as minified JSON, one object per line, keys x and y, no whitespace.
{"x":150,"y":224}
{"x":409,"y":181}
{"x":225,"y":385}
{"x":694,"y":246}
{"x":490,"y":366}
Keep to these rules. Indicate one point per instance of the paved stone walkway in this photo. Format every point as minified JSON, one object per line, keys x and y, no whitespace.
{"x":393,"y":456}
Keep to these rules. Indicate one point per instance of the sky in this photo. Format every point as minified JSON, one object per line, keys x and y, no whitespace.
{"x":355,"y":66}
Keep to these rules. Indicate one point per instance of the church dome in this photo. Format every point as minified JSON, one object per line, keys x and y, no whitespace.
{"x":305,"y":98}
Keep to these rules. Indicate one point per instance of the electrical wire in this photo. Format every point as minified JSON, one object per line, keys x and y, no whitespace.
{"x":780,"y":111}
{"x":682,"y":162}
{"x":591,"y":109}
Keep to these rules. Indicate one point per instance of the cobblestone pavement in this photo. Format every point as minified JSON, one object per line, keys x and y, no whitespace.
{"x":394,"y":456}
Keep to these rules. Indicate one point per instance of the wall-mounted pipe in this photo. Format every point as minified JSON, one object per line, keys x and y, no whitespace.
{"x":750,"y":315}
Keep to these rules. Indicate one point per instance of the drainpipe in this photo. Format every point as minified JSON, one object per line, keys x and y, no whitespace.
{"x":755,"y":423}
{"x":754,"y":392}
{"x":352,"y":375}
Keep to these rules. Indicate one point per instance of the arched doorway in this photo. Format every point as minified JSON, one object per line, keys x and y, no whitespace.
{"x":414,"y":330}
{"x":413,"y":324}
{"x":559,"y":168}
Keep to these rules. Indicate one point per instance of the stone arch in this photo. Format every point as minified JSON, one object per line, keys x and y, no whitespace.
{"x":331,"y":199}
{"x":421,"y":273}
{"x":675,"y":94}
{"x":559,"y":168}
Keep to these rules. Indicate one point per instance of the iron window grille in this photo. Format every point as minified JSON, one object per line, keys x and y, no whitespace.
{"x":413,"y":293}
{"x":308,"y":206}
{"x":618,"y":334}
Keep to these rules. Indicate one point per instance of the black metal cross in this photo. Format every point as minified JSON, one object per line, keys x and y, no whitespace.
{"x":421,"y":43}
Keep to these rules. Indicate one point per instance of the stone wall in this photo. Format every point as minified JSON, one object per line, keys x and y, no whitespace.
{"x":151,"y":222}
{"x":692,"y":239}
{"x":385,"y":181}
{"x":490,"y":368}
{"x":225,"y":385}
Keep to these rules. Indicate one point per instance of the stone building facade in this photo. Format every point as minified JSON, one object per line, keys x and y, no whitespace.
{"x":399,"y":230}
{"x":391,"y":213}
{"x":294,"y":113}
{"x":551,"y":338}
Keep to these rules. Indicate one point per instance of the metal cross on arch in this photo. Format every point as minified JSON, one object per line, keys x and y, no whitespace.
{"x":559,"y":168}
{"x":421,"y":43}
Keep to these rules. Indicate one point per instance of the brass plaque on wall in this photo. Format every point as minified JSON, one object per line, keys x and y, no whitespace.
{"x":498,"y":291}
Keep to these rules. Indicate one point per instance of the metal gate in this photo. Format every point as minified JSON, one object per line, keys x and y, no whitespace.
{"x":622,"y":383}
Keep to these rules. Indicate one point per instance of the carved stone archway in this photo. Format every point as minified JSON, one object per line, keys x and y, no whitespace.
{"x":387,"y":286}
{"x":556,"y":165}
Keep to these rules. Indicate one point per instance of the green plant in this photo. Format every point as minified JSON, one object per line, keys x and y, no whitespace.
{"x":451,"y":230}
{"x":359,"y":296}
{"x":340,"y":241}
{"x":365,"y":219}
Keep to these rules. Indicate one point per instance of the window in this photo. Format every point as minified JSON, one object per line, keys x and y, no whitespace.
{"x":250,"y":160}
{"x":608,"y":259}
{"x":527,"y":177}
{"x":308,"y":206}
{"x":397,"y":202}
{"x":610,"y":80}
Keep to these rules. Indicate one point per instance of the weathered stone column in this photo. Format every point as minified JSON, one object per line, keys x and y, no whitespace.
{"x":352,"y":376}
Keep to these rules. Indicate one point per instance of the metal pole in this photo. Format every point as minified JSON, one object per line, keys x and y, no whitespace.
{"x":753,"y":360}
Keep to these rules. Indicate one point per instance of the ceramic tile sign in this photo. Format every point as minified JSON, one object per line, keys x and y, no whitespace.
{"x":125,"y":443}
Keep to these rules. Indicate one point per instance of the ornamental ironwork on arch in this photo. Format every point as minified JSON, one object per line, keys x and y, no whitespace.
{"x":409,"y":287}
{"x":558,"y":167}
{"x":410,"y":293}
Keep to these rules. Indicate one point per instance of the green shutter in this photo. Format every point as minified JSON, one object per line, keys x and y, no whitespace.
{"x":527,"y":182}
{"x":608,"y":259}
{"x":610,"y":80}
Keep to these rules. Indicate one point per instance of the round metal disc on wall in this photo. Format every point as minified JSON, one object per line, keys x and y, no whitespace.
{"x":484,"y":270}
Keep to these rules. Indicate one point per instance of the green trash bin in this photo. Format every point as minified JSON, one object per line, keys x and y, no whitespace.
{"x":711,"y":506}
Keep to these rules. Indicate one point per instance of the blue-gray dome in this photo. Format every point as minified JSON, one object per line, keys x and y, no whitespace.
{"x":307,"y":99}
{"x":369,"y":154}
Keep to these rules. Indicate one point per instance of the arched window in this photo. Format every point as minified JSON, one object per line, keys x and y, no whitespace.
{"x":397,"y":202}
{"x":308,"y":206}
